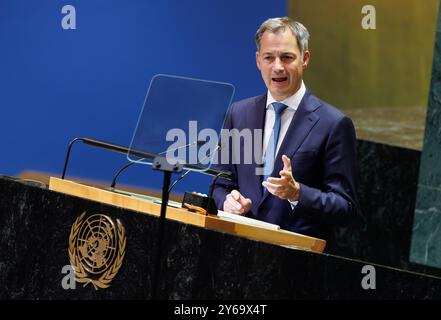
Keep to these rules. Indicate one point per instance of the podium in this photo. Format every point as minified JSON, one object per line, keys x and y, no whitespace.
{"x":203,"y":257}
{"x":277,"y":237}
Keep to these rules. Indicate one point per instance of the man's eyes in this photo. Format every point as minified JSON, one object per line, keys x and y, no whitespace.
{"x":283,"y":58}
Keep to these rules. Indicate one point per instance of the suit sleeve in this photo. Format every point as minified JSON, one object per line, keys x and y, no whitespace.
{"x":336,"y":202}
{"x":222,"y":187}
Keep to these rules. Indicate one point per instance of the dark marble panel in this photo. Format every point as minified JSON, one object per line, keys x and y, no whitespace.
{"x":426,"y":244}
{"x":34,"y":232}
{"x":431,"y":155}
{"x":234,"y":268}
{"x":427,"y":228}
{"x":197,"y":263}
{"x":387,"y":191}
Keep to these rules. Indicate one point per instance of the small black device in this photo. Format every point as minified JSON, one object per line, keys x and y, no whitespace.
{"x":195,"y":202}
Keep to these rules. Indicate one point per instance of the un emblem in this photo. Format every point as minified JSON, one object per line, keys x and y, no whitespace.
{"x":96,"y":249}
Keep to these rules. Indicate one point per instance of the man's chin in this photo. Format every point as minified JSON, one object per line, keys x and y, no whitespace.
{"x":279,"y":94}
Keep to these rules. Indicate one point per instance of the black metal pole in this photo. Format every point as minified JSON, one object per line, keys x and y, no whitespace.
{"x":63,"y":174}
{"x":165,"y":195}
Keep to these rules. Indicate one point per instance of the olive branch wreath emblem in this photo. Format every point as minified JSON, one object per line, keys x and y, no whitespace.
{"x":81,"y":274}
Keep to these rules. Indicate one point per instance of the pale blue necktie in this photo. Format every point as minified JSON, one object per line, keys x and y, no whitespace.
{"x":271,"y":148}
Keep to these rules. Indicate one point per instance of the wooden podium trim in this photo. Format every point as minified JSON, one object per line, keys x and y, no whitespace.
{"x":277,"y":237}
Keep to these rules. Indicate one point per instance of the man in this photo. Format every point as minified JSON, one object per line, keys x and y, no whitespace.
{"x":312,"y":185}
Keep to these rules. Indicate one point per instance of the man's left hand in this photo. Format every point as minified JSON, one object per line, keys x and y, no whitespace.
{"x":285,"y":187}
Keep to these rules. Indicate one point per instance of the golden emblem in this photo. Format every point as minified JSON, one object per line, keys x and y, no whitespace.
{"x":96,"y":249}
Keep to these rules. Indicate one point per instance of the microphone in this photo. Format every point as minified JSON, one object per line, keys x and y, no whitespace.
{"x":112,"y":185}
{"x":211,"y":190}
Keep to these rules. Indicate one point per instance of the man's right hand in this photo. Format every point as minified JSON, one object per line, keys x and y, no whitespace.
{"x":237,"y":203}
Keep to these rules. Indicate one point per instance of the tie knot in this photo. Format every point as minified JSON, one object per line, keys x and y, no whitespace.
{"x":279,"y":107}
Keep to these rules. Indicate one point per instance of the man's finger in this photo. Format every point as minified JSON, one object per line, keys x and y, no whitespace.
{"x":233,"y":203}
{"x":235,"y":194}
{"x":238,"y":196}
{"x":286,"y":174}
{"x":248,"y":202}
{"x":276,"y":181}
{"x":270,"y":185}
{"x":272,"y":188}
{"x":229,"y":208}
{"x":236,"y":206}
{"x":286,"y":163}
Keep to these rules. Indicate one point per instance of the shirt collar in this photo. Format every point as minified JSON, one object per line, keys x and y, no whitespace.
{"x":292,"y":102}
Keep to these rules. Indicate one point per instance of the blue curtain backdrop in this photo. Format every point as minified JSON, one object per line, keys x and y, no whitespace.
{"x":57,"y":84}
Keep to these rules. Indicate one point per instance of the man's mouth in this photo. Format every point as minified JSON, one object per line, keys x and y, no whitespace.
{"x":280,"y":79}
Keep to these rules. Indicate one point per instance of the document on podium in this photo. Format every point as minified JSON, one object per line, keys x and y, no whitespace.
{"x":246,"y":220}
{"x":224,"y":215}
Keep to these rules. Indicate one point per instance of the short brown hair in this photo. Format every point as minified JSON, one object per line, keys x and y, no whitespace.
{"x":275,"y":25}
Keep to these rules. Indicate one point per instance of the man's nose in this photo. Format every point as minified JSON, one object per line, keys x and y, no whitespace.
{"x":278,"y":66}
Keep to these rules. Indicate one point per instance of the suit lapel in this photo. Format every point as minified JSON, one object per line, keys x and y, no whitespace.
{"x":256,"y":121}
{"x":301,"y":124}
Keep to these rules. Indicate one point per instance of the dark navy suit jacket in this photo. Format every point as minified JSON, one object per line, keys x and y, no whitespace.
{"x":321,"y":144}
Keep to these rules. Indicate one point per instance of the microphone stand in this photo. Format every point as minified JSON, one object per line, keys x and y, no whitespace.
{"x":161,"y":164}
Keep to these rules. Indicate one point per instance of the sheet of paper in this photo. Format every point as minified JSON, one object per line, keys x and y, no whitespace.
{"x":248,"y":221}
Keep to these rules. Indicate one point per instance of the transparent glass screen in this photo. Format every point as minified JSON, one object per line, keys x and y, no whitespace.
{"x":181,"y":120}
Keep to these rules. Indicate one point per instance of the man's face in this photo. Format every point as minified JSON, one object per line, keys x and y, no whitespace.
{"x":280,"y":63}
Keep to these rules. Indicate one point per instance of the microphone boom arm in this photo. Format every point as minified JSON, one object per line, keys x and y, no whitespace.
{"x":145,"y":155}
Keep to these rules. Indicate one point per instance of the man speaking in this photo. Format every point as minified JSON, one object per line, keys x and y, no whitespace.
{"x":308,"y":164}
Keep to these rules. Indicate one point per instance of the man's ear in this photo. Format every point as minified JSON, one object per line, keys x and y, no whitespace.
{"x":258,"y":60}
{"x":306,"y":58}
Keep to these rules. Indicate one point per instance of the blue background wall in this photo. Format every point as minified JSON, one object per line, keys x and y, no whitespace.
{"x":57,"y":84}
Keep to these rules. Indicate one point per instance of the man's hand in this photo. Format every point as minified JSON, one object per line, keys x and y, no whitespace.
{"x":285,"y":187}
{"x":237,"y":203}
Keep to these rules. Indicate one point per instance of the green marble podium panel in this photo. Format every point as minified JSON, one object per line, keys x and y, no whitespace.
{"x":426,"y":234}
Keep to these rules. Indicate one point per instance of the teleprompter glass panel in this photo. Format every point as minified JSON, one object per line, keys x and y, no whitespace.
{"x":181,"y":120}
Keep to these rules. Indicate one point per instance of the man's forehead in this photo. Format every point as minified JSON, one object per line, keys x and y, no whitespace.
{"x":285,"y":39}
{"x":278,"y":32}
